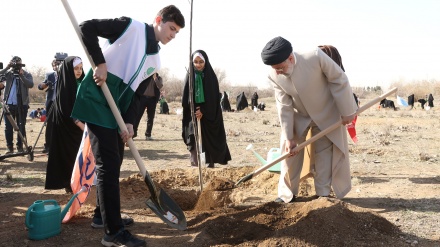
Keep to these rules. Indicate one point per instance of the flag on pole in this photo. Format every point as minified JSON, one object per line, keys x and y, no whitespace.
{"x":401,"y":101}
{"x":351,"y":128}
{"x":83,"y":175}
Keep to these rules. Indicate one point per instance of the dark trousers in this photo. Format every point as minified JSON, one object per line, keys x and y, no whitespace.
{"x":20,"y":119}
{"x":149,"y":103}
{"x":49,"y":125}
{"x":108,"y":149}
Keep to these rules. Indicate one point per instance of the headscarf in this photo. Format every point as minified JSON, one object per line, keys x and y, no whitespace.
{"x":210,"y":88}
{"x":276,"y":51}
{"x":76,"y":61}
{"x":66,"y":88}
{"x":333,"y":53}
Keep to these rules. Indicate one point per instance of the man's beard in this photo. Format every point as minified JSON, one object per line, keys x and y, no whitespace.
{"x":289,"y":70}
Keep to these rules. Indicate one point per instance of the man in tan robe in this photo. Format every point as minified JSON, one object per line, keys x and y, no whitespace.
{"x":311,"y":92}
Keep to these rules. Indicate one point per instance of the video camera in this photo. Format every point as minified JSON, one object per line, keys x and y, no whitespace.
{"x":16,"y":66}
{"x":60,"y":56}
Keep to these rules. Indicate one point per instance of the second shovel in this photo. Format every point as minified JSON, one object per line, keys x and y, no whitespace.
{"x":199,"y":134}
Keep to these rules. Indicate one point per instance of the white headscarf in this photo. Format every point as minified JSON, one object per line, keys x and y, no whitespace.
{"x":198,"y":54}
{"x":76,"y":61}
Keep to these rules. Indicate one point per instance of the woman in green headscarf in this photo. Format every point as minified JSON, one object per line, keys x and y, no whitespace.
{"x":207,"y":108}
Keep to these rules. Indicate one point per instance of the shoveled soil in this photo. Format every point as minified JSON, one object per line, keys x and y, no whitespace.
{"x":394,"y":200}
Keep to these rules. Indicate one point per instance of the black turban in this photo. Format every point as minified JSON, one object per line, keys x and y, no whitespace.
{"x":276,"y":51}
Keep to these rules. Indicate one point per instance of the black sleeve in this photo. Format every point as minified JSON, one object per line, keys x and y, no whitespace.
{"x":106,"y":28}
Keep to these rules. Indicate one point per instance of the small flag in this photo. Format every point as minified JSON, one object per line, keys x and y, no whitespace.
{"x":351,"y":128}
{"x":401,"y":102}
{"x":83,"y":175}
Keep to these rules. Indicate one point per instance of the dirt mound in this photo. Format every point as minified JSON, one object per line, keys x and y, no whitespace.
{"x":222,"y":215}
{"x":321,"y":222}
{"x":215,"y":195}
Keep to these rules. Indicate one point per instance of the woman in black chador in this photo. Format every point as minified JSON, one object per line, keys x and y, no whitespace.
{"x":207,"y":108}
{"x":254,"y":100}
{"x":431,"y":100}
{"x":67,"y":132}
{"x":224,"y":102}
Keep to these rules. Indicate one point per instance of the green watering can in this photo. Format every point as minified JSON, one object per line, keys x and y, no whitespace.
{"x":43,"y":218}
{"x":273,"y":154}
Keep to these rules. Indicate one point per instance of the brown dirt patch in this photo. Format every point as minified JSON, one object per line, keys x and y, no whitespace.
{"x":394,"y":200}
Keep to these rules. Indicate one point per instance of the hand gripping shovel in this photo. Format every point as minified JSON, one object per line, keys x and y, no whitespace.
{"x":312,"y":139}
{"x":159,"y":202}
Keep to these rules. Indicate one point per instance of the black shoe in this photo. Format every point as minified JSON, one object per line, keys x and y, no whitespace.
{"x":97,"y":222}
{"x":279,"y":200}
{"x":10,"y":150}
{"x":122,"y":238}
{"x":20,"y":149}
{"x":210,"y":165}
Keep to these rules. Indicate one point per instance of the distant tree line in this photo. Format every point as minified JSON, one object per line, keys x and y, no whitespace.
{"x":173,"y":87}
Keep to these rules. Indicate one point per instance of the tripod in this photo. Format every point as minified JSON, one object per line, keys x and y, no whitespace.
{"x":20,"y":127}
{"x":45,"y":124}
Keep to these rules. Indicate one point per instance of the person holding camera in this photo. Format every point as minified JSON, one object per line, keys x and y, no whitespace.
{"x":16,"y":97}
{"x":48,"y":85}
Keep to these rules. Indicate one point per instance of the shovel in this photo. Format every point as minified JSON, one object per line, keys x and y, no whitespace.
{"x":312,"y":139}
{"x":199,"y":133}
{"x":159,"y":202}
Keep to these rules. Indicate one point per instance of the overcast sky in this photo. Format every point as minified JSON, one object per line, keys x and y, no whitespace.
{"x":380,"y":41}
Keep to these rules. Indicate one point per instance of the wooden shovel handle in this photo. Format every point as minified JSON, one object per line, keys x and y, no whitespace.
{"x":323,"y":133}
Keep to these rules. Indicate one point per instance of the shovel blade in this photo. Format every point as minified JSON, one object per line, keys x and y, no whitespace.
{"x":202,"y":158}
{"x":168,"y":210}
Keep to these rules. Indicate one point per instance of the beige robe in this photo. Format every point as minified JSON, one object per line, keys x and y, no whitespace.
{"x":317,"y":90}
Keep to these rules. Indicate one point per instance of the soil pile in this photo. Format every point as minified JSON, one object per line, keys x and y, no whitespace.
{"x":220,"y":215}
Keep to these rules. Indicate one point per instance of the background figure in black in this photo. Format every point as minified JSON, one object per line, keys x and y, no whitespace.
{"x":224,"y":102}
{"x":241,"y":102}
{"x":207,"y":108}
{"x":254,"y":100}
{"x":333,"y":53}
{"x":430,"y":100}
{"x":422,"y":103}
{"x":411,"y":101}
{"x":49,"y":85}
{"x":66,"y":132}
{"x":148,"y":100}
{"x":14,"y":75}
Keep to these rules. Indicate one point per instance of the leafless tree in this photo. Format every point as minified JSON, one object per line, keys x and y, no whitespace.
{"x":38,"y":75}
{"x":223,"y":83}
{"x":172,"y":86}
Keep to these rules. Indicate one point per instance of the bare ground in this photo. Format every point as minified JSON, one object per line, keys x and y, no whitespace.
{"x":394,"y":200}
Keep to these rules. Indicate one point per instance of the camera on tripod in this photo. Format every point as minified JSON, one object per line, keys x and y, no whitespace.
{"x":16,"y":64}
{"x":60,"y":56}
